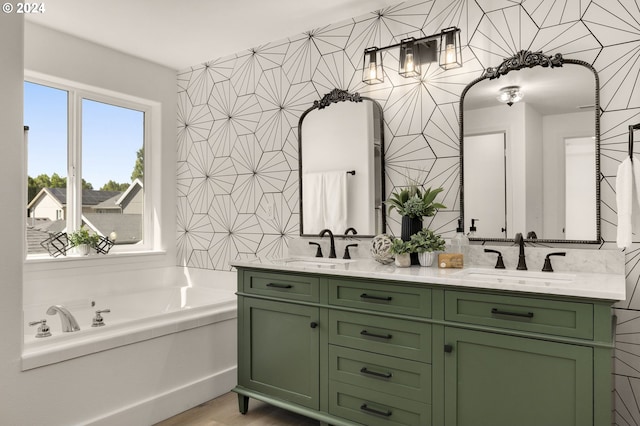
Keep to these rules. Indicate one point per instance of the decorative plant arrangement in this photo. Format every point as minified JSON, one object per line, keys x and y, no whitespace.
{"x":413,"y":204}
{"x":401,"y":250}
{"x":427,"y":244}
{"x":426,"y":241}
{"x":83,"y":240}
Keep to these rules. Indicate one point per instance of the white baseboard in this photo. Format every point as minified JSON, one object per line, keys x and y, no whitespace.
{"x":170,"y":403}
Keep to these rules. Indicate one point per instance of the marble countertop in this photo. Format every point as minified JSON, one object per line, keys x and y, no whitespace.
{"x":606,"y":286}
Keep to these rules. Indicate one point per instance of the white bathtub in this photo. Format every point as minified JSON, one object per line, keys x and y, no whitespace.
{"x":134,"y":317}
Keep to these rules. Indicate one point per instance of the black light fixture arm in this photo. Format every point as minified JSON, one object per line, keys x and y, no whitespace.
{"x":421,"y":39}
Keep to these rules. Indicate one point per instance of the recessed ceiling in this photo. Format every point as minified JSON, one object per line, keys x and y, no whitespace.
{"x":182,"y":33}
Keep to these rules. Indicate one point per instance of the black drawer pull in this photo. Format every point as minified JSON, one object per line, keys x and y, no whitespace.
{"x":365,"y":370}
{"x":274,"y":285}
{"x":364,"y":407}
{"x":448,"y":348}
{"x":366,"y":296}
{"x":496,"y":311}
{"x":379,"y":336}
{"x":313,"y":324}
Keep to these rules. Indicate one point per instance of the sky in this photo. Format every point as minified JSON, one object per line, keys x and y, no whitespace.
{"x":111,"y":136}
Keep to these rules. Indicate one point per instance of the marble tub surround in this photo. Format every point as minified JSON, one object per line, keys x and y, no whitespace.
{"x":584,"y":260}
{"x":596,"y":285}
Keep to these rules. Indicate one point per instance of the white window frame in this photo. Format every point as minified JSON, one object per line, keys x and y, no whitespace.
{"x":151,"y":142}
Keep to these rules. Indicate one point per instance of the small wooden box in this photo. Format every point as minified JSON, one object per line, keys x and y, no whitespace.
{"x":450,"y":260}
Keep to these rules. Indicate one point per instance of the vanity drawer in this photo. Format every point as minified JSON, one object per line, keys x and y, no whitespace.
{"x":390,"y":375}
{"x":282,"y":285}
{"x":373,"y":408}
{"x":397,"y":299}
{"x":387,"y":336}
{"x":559,"y":318}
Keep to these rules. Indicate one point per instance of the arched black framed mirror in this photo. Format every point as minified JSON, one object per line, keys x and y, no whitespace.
{"x":530,"y":151}
{"x":341,"y":165}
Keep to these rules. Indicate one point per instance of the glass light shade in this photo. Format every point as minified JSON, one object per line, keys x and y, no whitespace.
{"x":450,"y":48}
{"x":372,"y":72}
{"x":409,"y":58}
{"x":510,"y":95}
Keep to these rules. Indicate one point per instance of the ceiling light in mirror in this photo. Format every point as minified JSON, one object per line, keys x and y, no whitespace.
{"x":510,"y":95}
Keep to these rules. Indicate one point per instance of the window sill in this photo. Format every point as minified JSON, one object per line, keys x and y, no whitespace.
{"x":46,"y":262}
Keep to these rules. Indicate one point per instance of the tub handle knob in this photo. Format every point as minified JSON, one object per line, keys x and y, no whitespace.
{"x":43,"y":330}
{"x":98,"y":321}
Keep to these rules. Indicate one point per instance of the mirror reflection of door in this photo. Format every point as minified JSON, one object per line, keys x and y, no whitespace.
{"x":485,"y":184}
{"x":580,"y":210}
{"x":543,"y":198}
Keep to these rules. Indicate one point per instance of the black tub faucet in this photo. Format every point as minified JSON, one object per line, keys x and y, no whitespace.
{"x":522,"y":264}
{"x":332,"y":252}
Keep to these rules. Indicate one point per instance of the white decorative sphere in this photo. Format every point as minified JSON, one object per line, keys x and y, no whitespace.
{"x":381,"y":249}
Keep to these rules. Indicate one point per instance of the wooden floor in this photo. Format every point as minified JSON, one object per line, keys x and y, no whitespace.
{"x":223,"y":411}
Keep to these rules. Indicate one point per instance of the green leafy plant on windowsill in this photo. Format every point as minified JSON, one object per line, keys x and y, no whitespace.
{"x":83,"y":237}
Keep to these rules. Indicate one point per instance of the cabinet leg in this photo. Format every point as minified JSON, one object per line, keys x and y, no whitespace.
{"x":243,"y":404}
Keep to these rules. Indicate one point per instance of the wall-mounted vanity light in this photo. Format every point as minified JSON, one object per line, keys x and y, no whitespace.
{"x":510,"y":95}
{"x":414,"y":53}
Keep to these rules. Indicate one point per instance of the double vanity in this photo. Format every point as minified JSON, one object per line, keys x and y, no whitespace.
{"x":355,"y":342}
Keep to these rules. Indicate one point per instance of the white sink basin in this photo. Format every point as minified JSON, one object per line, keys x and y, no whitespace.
{"x":315,"y":262}
{"x":522,"y":277}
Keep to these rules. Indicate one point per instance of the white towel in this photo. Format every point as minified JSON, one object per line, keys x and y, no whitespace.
{"x":335,"y":194}
{"x":313,"y":202}
{"x":627,"y":201}
{"x":324,"y":196}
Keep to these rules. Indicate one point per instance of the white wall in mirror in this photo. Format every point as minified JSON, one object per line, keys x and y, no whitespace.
{"x":339,"y":138}
{"x":535,"y":177}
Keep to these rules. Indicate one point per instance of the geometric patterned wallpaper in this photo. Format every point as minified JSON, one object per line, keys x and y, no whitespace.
{"x":237,"y":164}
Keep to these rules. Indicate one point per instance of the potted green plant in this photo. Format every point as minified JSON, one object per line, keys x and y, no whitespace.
{"x":413,"y":204}
{"x":402,"y":251}
{"x":82,"y":241}
{"x":427,"y":244}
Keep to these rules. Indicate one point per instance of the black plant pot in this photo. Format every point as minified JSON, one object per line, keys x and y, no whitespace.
{"x":411,"y":226}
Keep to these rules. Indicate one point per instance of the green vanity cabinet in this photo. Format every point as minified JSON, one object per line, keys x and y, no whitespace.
{"x":281,"y":356}
{"x":353,"y":351}
{"x":492,"y":379}
{"x":279,"y":341}
{"x":545,"y":361}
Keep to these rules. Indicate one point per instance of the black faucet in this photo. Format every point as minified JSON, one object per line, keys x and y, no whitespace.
{"x":332,"y":252}
{"x":352,"y":230}
{"x":500,"y":261}
{"x":347,"y":255}
{"x":319,"y":250}
{"x":522,"y":264}
{"x":547,"y":261}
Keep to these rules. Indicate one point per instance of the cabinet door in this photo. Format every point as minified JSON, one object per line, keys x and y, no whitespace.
{"x":279,"y":351}
{"x":500,"y":380}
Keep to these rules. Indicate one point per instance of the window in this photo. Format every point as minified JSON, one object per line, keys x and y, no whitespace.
{"x":85,"y":165}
